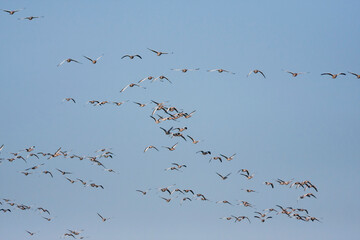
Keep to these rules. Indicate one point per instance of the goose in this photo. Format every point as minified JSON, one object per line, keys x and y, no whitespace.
{"x":75,"y":232}
{"x":282,"y":182}
{"x":96,"y":185}
{"x":228,"y":158}
{"x":69,"y":235}
{"x":47,"y":219}
{"x":223,"y":177}
{"x":224,"y":201}
{"x":143,"y":192}
{"x":245,"y":204}
{"x":269,"y":184}
{"x":239,"y":218}
{"x":167,"y":132}
{"x":178,"y":135}
{"x":93,"y":61}
{"x":93,"y":101}
{"x":215,"y":158}
{"x":220,"y":70}
{"x":82,"y":181}
{"x":249,"y":190}
{"x":30,"y":149}
{"x":248,"y":176}
{"x":12,"y":12}
{"x":68,"y":61}
{"x":184,"y":70}
{"x":333,"y":75}
{"x":147,"y":78}
{"x":161,"y":78}
{"x":102,"y":218}
{"x":71,"y":181}
{"x":56,"y":154}
{"x":62,"y":172}
{"x":5,"y":210}
{"x":131,"y":85}
{"x":32,"y":155}
{"x":181,"y":129}
{"x":157,"y":121}
{"x":34,"y":167}
{"x":262,"y":219}
{"x":177,"y":190}
{"x":140,"y":104}
{"x":172,"y":168}
{"x":178,"y":165}
{"x":101,"y":103}
{"x":244,"y":170}
{"x":69,"y":99}
{"x":172,"y":148}
{"x":30,"y":18}
{"x":189,"y":190}
{"x":131,"y":56}
{"x":256,"y":71}
{"x":166,"y":189}
{"x":189,"y":115}
{"x":21,"y":157}
{"x":311,"y":219}
{"x":184,"y":199}
{"x":26,"y":173}
{"x":204,"y":152}
{"x":149,"y":147}
{"x":166,"y":199}
{"x":158,"y":53}
{"x":294,"y":74}
{"x":120,"y":103}
{"x":48,"y":172}
{"x":43,"y":210}
{"x":30,"y":233}
{"x":192,"y":139}
{"x":307,"y":195}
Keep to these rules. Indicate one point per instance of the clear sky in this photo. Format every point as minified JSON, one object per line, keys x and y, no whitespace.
{"x":303,"y":128}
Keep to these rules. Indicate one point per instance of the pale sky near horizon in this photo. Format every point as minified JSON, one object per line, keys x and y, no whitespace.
{"x":303,"y":128}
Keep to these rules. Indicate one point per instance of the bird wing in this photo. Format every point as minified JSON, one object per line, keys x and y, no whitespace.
{"x":352,"y":73}
{"x":99,"y":57}
{"x":88,"y":58}
{"x":220,"y":175}
{"x":61,"y":63}
{"x":153,"y":50}
{"x":57,"y":151}
{"x":262,"y":74}
{"x":125,"y":88}
{"x":190,"y":138}
{"x":73,"y":60}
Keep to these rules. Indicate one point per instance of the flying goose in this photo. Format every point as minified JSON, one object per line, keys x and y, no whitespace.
{"x":68,"y":61}
{"x":256,"y":71}
{"x":93,"y":60}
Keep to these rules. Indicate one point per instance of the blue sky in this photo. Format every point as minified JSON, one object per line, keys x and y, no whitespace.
{"x":303,"y":128}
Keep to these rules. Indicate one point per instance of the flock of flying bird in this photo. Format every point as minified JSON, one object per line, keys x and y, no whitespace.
{"x":30,"y":154}
{"x":167,"y":193}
